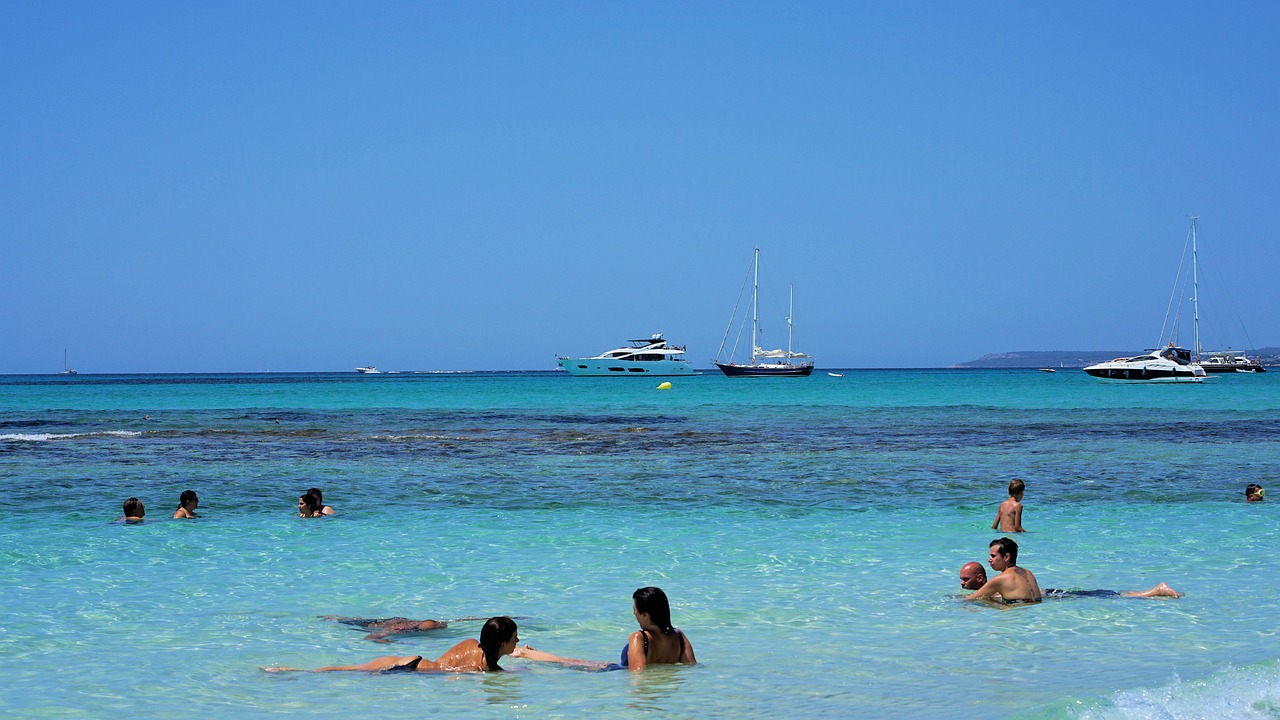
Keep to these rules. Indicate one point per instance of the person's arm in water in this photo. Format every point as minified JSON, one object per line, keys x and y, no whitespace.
{"x":529,"y":653}
{"x":686,"y":654}
{"x":995,"y":524}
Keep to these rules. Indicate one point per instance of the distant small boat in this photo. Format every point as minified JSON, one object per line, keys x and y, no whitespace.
{"x":66,"y":370}
{"x":836,"y":374}
{"x":1048,"y":369}
{"x":369,"y":370}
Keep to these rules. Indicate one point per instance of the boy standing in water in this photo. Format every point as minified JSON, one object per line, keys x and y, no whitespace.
{"x":1009,"y":514}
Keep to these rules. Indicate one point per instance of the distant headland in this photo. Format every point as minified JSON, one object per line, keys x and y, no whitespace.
{"x":1269,"y":356}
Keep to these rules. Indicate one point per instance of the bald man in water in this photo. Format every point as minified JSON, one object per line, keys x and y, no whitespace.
{"x":973,"y":576}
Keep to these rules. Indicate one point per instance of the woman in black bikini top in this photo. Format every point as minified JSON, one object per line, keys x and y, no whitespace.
{"x":657,"y":642}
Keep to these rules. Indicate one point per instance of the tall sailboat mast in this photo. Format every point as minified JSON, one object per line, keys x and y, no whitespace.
{"x":1195,"y":293}
{"x":791,"y":299}
{"x":755,"y":306}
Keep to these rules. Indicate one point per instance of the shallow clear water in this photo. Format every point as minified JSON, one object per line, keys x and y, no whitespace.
{"x":808,"y":532}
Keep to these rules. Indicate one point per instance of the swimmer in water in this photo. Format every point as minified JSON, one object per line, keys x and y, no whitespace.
{"x":973,"y":577}
{"x":1009,"y":512}
{"x":657,"y":642}
{"x":498,"y":637}
{"x":1253,"y":493}
{"x":382,"y":628}
{"x":187,"y":503}
{"x":309,"y":506}
{"x":1013,"y":584}
{"x":133,"y":512}
{"x":324,"y":509}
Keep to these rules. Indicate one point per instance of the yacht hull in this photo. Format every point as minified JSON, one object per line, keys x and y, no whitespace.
{"x":606,"y":367}
{"x":1147,"y":374}
{"x":780,"y":370}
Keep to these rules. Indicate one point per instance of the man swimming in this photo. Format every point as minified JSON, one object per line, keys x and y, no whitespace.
{"x":382,"y":628}
{"x":1013,"y":584}
{"x":973,"y":577}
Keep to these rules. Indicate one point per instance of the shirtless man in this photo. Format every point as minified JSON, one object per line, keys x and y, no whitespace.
{"x":1013,"y":584}
{"x":973,"y":577}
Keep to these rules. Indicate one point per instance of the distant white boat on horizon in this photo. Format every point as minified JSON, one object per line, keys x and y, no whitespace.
{"x":368,"y":370}
{"x":66,"y":370}
{"x":836,"y":374}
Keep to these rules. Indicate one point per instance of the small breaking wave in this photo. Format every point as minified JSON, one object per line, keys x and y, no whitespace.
{"x":1252,"y":691}
{"x":47,"y":437}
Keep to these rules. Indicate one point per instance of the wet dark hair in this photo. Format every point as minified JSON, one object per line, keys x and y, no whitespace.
{"x":496,"y":631}
{"x":312,"y":503}
{"x":653,"y":601}
{"x":319,"y":495}
{"x":187,"y":496}
{"x":1007,"y":547}
{"x":1016,"y":486}
{"x":1251,"y":491}
{"x":131,"y":507}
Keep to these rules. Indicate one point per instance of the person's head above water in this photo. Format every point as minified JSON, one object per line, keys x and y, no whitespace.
{"x":188,"y":497}
{"x":319,"y":495}
{"x":653,"y":602}
{"x":972,"y":576}
{"x":1016,"y":488}
{"x":308,"y":505}
{"x":133,"y":508}
{"x":497,"y":638}
{"x":1253,"y":493}
{"x":1004,"y":549}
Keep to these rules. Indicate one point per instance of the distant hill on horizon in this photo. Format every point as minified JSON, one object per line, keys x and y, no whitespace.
{"x":1270,"y":356}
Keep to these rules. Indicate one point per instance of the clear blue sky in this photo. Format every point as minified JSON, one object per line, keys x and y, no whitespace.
{"x":244,"y":186}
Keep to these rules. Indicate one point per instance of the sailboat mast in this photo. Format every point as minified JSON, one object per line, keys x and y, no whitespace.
{"x":755,"y":306}
{"x":1195,"y":292}
{"x":791,"y":299}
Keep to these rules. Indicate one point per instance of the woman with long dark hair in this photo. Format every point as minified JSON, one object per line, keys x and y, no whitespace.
{"x":497,"y":638}
{"x":657,"y":642}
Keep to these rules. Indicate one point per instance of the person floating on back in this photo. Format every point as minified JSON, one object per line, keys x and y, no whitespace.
{"x":1009,"y":514}
{"x":1253,"y":493}
{"x":973,"y":577}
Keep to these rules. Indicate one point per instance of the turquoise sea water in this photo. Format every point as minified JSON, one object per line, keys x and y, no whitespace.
{"x":808,"y":531}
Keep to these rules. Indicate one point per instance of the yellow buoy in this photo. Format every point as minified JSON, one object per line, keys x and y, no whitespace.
{"x":665,"y":386}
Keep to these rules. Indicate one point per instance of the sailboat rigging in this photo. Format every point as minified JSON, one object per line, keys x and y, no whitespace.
{"x":764,"y":363}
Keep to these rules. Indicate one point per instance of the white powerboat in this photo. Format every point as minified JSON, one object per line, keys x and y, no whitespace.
{"x":1229,"y":361}
{"x":1170,"y":364}
{"x":368,"y":370}
{"x":652,"y":356}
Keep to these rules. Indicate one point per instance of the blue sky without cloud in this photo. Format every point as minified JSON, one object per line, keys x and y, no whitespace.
{"x":244,"y":186}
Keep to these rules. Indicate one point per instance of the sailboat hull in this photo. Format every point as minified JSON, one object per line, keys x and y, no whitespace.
{"x":779,"y":370}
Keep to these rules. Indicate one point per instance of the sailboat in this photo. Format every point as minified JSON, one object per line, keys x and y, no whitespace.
{"x":1163,"y":364}
{"x":764,"y":363}
{"x":66,"y":370}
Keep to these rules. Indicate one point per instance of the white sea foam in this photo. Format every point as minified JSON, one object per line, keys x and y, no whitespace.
{"x":46,"y":437}
{"x":1248,"y":692}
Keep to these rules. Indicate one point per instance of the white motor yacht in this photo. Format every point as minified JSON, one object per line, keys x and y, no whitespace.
{"x":652,"y":356}
{"x":1170,"y":364}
